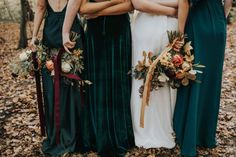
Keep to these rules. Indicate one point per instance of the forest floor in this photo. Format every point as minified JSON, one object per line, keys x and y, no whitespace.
{"x":19,"y":124}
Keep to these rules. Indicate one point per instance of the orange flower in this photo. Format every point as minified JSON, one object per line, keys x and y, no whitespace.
{"x":177,"y":60}
{"x":180,"y":74}
{"x":50,"y":65}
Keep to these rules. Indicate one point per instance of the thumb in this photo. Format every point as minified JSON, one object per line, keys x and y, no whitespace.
{"x":67,"y":50}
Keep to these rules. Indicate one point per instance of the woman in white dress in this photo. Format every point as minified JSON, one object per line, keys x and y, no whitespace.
{"x":149,"y":33}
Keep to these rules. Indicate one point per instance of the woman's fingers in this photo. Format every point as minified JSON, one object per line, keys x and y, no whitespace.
{"x":32,"y":46}
{"x":69,"y":45}
{"x":91,"y":16}
{"x":67,"y":50}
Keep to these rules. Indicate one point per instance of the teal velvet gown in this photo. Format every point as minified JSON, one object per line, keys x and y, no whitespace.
{"x":197,"y":107}
{"x":108,"y":57}
{"x":70,"y":100}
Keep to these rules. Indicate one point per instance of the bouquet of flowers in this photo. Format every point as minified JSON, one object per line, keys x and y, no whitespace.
{"x":174,"y":66}
{"x":71,"y":63}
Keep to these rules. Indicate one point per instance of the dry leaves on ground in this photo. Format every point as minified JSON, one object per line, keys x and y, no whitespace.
{"x":19,"y":124}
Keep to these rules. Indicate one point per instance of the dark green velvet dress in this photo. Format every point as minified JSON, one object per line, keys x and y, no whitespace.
{"x":70,"y":100}
{"x":197,"y":107}
{"x":108,"y":57}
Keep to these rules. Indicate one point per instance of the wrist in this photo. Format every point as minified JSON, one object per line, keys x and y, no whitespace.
{"x":65,"y":33}
{"x":34,"y":37}
{"x":173,"y":12}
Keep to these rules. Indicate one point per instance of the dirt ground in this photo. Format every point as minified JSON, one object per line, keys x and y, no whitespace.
{"x":19,"y":124}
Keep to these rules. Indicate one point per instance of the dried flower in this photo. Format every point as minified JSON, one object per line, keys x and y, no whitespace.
{"x":186,"y":66}
{"x":77,"y":52}
{"x":71,"y":63}
{"x":188,"y":48}
{"x":189,"y":58}
{"x":174,"y":66}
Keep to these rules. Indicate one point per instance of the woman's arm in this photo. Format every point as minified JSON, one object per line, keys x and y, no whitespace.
{"x":227,"y":6}
{"x":71,"y":12}
{"x":39,"y":14}
{"x":183,"y":10}
{"x":118,"y":9}
{"x":153,"y":8}
{"x":93,"y":7}
{"x":173,"y":3}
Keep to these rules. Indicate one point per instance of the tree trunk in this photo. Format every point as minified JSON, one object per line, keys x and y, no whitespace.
{"x":23,"y":21}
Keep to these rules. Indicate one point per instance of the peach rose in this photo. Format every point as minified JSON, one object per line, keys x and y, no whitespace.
{"x":177,"y":60}
{"x":50,"y":65}
{"x":180,"y":74}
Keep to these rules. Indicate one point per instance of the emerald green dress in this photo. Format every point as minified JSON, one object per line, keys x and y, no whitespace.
{"x":197,"y":107}
{"x":108,"y":60}
{"x":70,"y":100}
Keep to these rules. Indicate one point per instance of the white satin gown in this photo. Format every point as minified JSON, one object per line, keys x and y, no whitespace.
{"x":149,"y":33}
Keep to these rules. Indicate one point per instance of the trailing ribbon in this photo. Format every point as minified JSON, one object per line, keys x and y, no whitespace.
{"x":39,"y":93}
{"x":75,"y":77}
{"x":147,"y":85}
{"x":57,"y":76}
{"x":57,"y":69}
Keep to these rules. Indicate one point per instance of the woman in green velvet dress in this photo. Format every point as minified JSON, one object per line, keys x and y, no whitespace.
{"x":69,"y":101}
{"x":197,"y":107}
{"x":108,"y":61}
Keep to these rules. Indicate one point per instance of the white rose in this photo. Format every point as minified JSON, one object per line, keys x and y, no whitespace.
{"x":65,"y":67}
{"x":24,"y":56}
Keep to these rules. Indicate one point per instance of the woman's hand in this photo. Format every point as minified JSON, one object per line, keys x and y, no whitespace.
{"x":174,"y":13}
{"x":32,"y":44}
{"x":227,"y":7}
{"x":67,"y":43}
{"x":91,"y":16}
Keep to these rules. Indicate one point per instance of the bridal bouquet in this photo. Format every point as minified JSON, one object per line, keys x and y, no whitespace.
{"x":174,"y":66}
{"x":71,"y":63}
